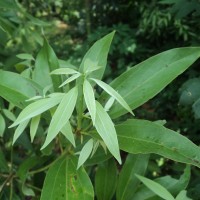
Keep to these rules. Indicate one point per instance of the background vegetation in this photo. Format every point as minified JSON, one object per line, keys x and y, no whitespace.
{"x":144,"y":28}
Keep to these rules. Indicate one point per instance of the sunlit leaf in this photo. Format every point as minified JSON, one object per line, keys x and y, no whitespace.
{"x":70,"y":79}
{"x":34,"y":126}
{"x":65,"y":71}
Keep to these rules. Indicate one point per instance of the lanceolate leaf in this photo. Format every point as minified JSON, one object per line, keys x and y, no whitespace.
{"x":64,"y":182}
{"x":98,"y":54}
{"x":106,"y":180}
{"x":34,"y":126}
{"x":62,"y":115}
{"x":67,"y":132}
{"x":89,"y":99}
{"x":65,"y":71}
{"x":148,"y":78}
{"x":113,"y":93}
{"x":37,"y":108}
{"x":19,"y":130}
{"x":2,"y":125}
{"x":106,"y":130}
{"x":156,"y":187}
{"x":142,"y":136}
{"x":128,"y":183}
{"x":70,"y":79}
{"x":16,"y":89}
{"x":85,"y":152}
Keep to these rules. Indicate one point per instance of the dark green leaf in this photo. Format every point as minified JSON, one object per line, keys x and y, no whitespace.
{"x":2,"y":125}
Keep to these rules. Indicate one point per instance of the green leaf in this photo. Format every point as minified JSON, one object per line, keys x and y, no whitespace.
{"x":156,"y":188}
{"x":2,"y":125}
{"x":128,"y":183}
{"x":90,"y":66}
{"x":106,"y":130}
{"x":9,"y":114}
{"x":182,"y":196}
{"x":19,"y":130}
{"x":196,"y":108}
{"x":174,"y":186}
{"x":113,"y":93}
{"x":61,"y":115}
{"x":142,"y":136}
{"x":85,"y":153}
{"x":65,"y":71}
{"x":148,"y":78}
{"x":37,"y":108}
{"x":89,"y":99}
{"x":34,"y":126}
{"x":106,"y":180}
{"x":3,"y":163}
{"x":64,"y":182}
{"x":67,"y":132}
{"x":25,"y":56}
{"x":12,"y":88}
{"x":98,"y":54}
{"x":70,"y":79}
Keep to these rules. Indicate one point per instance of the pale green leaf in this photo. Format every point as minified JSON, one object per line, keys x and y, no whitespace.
{"x":34,"y":126}
{"x":182,"y":196}
{"x":2,"y":125}
{"x":89,"y":99}
{"x":142,"y":136}
{"x":109,"y":104}
{"x":106,"y":130}
{"x":98,"y":54}
{"x":67,"y":132}
{"x":61,"y":115}
{"x":128,"y":183}
{"x":106,"y":180}
{"x":85,"y":153}
{"x":113,"y":93}
{"x":25,"y":56}
{"x":70,"y":79}
{"x":37,"y":108}
{"x":156,"y":188}
{"x":90,"y":66}
{"x":19,"y":130}
{"x":65,"y":71}
{"x":148,"y":78}
{"x":64,"y":182}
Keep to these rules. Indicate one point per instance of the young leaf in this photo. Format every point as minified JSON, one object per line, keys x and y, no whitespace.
{"x":156,"y":188}
{"x":128,"y":183}
{"x":85,"y":153}
{"x":2,"y":125}
{"x":64,"y":182}
{"x":62,"y":115}
{"x":106,"y":180}
{"x":67,"y":132}
{"x":89,"y":99}
{"x":113,"y":93}
{"x":19,"y":130}
{"x":37,"y":108}
{"x":148,"y":78}
{"x":106,"y":130}
{"x":65,"y":71}
{"x":142,"y":136}
{"x":34,"y":126}
{"x":70,"y":79}
{"x":98,"y":54}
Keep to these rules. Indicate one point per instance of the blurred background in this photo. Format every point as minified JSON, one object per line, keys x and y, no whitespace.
{"x":143,"y":28}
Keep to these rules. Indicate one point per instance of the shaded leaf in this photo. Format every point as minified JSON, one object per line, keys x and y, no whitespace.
{"x":61,"y":115}
{"x":142,"y":136}
{"x":9,"y":114}
{"x":2,"y":125}
{"x":182,"y":196}
{"x":25,"y":56}
{"x":67,"y":132}
{"x":106,"y":130}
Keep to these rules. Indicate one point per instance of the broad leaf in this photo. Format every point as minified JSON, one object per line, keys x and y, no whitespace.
{"x":142,"y":136}
{"x":89,"y":99}
{"x":106,"y":180}
{"x":64,"y":182}
{"x":106,"y":130}
{"x":62,"y":115}
{"x":113,"y":93}
{"x":67,"y":132}
{"x":128,"y":183}
{"x":70,"y":79}
{"x":34,"y":126}
{"x":98,"y":54}
{"x":156,"y":188}
{"x":19,"y":130}
{"x":85,"y":152}
{"x":37,"y":108}
{"x":12,"y":88}
{"x":148,"y":78}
